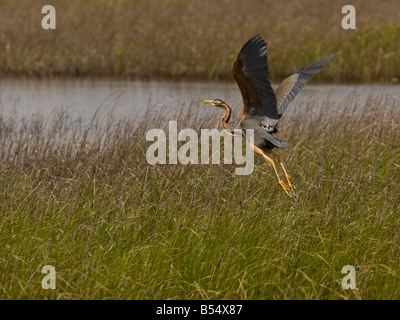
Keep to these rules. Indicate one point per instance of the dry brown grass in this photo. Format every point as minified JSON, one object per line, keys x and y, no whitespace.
{"x":198,"y":39}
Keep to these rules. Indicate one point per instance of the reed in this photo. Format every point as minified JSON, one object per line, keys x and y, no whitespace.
{"x":81,"y":196}
{"x":198,"y":39}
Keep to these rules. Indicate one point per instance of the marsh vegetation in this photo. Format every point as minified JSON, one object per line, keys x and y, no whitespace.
{"x":197,"y":40}
{"x":82,"y":197}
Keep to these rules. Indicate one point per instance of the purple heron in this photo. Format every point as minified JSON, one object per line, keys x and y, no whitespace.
{"x":262,"y":107}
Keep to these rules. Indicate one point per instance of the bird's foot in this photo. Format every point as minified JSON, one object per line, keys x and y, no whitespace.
{"x":290,"y":184}
{"x":286,"y":188}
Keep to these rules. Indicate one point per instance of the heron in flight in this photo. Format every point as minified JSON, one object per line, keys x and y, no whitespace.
{"x":262,"y":107}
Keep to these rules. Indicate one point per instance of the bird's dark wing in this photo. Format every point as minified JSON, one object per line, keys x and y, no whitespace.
{"x":250,"y":71}
{"x":292,"y":85}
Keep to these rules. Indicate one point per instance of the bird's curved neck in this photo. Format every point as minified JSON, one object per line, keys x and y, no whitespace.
{"x":225,"y":118}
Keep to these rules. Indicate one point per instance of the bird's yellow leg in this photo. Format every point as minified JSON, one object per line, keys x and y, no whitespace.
{"x":284,"y":170}
{"x":284,"y":186}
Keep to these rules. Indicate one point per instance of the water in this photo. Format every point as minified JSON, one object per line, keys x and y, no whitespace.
{"x":83,"y":97}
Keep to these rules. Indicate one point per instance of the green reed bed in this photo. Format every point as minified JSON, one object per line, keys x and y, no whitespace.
{"x":81,"y":197}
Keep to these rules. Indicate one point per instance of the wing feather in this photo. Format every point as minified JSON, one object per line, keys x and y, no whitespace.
{"x":263,"y":139}
{"x":251,"y":73}
{"x":292,"y":85}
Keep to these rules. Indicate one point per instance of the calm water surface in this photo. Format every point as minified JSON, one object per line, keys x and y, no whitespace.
{"x":83,"y":97}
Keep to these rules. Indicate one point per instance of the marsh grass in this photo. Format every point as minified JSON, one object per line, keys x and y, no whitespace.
{"x":81,"y":196}
{"x":198,"y":39}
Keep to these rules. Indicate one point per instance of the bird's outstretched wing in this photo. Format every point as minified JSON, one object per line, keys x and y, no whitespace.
{"x":292,"y":85}
{"x":250,"y":71}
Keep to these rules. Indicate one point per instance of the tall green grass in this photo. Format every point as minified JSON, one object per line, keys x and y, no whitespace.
{"x":82,"y":197}
{"x":198,"y":39}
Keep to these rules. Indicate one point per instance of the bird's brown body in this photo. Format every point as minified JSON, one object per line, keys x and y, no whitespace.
{"x":262,"y":107}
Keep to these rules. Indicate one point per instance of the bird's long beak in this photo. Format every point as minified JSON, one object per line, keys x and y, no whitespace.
{"x":208,"y":102}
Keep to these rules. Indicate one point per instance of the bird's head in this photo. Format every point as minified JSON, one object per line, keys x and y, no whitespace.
{"x":216,"y":102}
